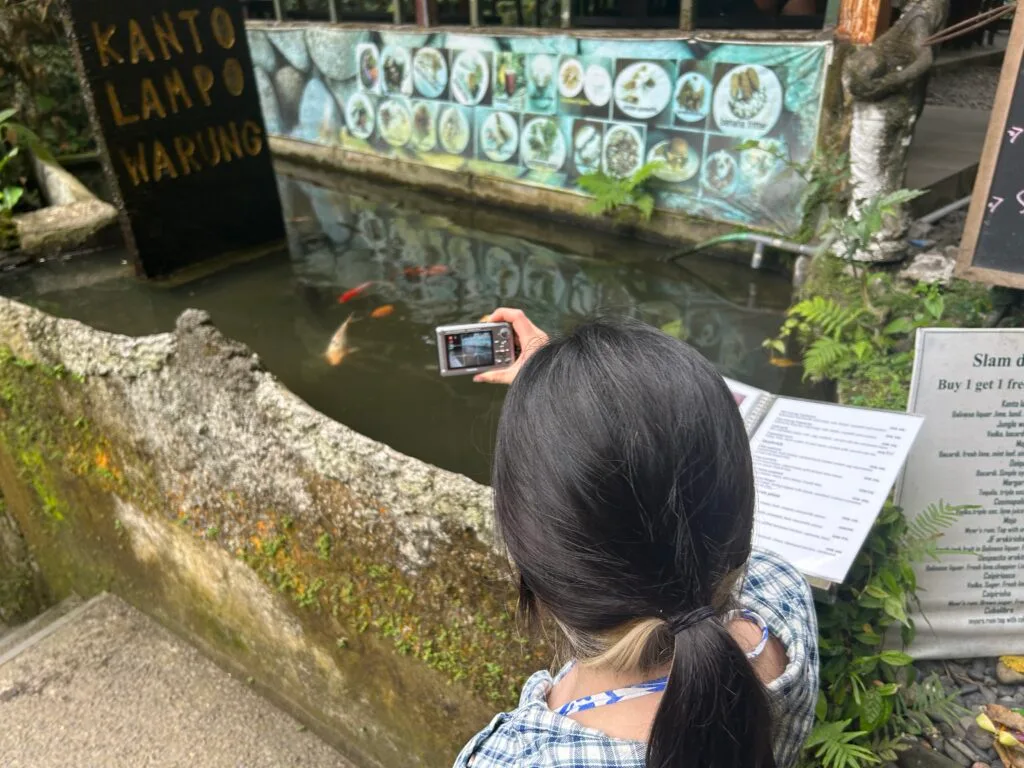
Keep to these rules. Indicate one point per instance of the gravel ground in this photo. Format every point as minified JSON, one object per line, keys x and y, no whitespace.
{"x":972,"y":87}
{"x":979,"y":682}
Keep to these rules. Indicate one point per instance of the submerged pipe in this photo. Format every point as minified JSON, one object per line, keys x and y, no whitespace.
{"x":760,"y":242}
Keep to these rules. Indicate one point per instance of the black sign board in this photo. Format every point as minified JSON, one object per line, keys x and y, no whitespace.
{"x":173,"y":100}
{"x":992,"y":250}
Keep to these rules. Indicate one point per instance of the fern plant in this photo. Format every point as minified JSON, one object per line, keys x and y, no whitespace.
{"x":871,"y":696}
{"x":621,"y":196}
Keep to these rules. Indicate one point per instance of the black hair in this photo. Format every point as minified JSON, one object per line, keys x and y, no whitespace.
{"x":624,"y":493}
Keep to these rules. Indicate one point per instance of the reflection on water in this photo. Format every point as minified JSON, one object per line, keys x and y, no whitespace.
{"x":286,"y":307}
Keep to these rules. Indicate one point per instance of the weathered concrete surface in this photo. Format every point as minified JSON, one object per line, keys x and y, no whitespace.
{"x":22,"y":594}
{"x":112,"y":688}
{"x":59,"y":227}
{"x":355,"y":584}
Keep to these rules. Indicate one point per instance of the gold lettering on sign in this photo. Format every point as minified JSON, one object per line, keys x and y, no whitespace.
{"x":103,"y":47}
{"x":185,"y":148}
{"x":176,"y":89}
{"x":120,"y":118}
{"x":189,"y":17}
{"x":203,"y":76}
{"x":210,"y":150}
{"x":137,"y":43}
{"x":162,"y":161}
{"x":229,"y":140}
{"x":252,"y":138}
{"x":167,"y":36}
{"x":234,"y":78}
{"x":223,"y":28}
{"x":136,"y":166}
{"x":150,"y":100}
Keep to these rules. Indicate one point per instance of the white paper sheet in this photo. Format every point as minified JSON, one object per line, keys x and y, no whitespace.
{"x":746,"y":396}
{"x":823,"y":472}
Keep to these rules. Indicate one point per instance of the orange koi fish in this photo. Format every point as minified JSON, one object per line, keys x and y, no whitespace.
{"x":351,"y":293}
{"x":382,"y":311}
{"x":783,"y":362}
{"x":338,"y":347}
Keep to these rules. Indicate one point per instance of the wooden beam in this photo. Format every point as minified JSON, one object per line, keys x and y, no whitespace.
{"x":862,"y":21}
{"x":686,"y":14}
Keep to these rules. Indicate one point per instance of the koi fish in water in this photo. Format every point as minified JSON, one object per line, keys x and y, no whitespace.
{"x":382,"y":311}
{"x":783,"y":362}
{"x":338,"y":347}
{"x":433,"y":270}
{"x":351,"y":293}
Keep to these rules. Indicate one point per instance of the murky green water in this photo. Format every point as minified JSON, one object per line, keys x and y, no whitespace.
{"x":285,"y":306}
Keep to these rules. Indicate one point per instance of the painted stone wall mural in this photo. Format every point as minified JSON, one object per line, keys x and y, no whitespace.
{"x":727,"y":121}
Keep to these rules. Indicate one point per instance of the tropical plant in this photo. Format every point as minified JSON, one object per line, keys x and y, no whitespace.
{"x":621,"y":197}
{"x":871,"y":696}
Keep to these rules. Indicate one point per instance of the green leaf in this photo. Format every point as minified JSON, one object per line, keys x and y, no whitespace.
{"x":11,"y":196}
{"x":935,"y":305}
{"x":895,"y":658}
{"x":898,"y":327}
{"x":872,"y":710}
{"x":821,"y":707}
{"x":875,"y":591}
{"x":894,"y":607}
{"x":7,"y":114}
{"x":675,"y":328}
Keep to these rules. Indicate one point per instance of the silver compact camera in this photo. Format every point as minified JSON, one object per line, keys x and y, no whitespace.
{"x":475,"y":348}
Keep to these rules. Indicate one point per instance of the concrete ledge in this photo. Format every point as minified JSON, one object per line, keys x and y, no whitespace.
{"x":357,"y":586}
{"x":664,"y":227}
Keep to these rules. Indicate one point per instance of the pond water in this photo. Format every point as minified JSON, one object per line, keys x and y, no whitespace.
{"x":285,"y":306}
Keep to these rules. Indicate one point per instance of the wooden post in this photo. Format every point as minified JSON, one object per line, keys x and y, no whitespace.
{"x":474,"y":13}
{"x":278,"y":11}
{"x":566,"y":13}
{"x":332,"y":10}
{"x":861,"y":21}
{"x":686,"y":14}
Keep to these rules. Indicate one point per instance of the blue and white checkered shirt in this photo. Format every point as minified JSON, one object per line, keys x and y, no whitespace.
{"x":533,"y":736}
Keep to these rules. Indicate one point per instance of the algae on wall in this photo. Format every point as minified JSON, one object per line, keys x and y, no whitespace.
{"x":357,"y":584}
{"x":22,"y":594}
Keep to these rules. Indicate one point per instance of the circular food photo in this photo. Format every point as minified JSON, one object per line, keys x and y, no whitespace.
{"x":692,"y":100}
{"x":679,"y":160}
{"x":396,"y":68}
{"x":542,"y":145}
{"x":429,"y":72}
{"x":642,"y":90}
{"x":499,"y":136}
{"x":369,"y":67}
{"x":570,"y":78}
{"x":623,"y":151}
{"x":424,"y":126}
{"x":395,"y":123}
{"x":597,"y":85}
{"x":453,"y":129}
{"x":758,"y":164}
{"x":469,"y":78}
{"x":586,"y":144}
{"x":748,"y":101}
{"x":359,"y":116}
{"x":719,"y":173}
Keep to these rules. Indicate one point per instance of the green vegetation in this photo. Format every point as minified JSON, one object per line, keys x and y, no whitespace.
{"x":871,"y":698}
{"x":621,"y":197}
{"x":855,"y":326}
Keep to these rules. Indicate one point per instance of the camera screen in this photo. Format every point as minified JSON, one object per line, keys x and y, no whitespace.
{"x":469,"y":350}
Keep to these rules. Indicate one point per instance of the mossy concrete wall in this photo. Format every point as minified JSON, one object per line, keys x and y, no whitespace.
{"x":22,"y":592}
{"x":356,"y":585}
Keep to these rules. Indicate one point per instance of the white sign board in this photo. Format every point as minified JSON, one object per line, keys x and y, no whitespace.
{"x":969,"y":386}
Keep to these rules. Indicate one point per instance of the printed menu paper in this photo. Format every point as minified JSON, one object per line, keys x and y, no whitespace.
{"x":969,"y":383}
{"x":822,"y":473}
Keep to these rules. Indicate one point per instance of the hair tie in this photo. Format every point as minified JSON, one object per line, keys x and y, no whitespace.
{"x":682,"y":623}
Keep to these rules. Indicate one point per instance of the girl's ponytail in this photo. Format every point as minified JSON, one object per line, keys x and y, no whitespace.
{"x":714,"y":712}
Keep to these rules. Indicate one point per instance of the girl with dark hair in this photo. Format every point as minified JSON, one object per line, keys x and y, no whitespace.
{"x":624,"y":492}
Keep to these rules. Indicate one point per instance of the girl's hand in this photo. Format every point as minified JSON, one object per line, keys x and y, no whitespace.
{"x":530,"y":339}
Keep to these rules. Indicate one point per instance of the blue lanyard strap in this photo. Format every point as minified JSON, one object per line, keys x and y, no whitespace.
{"x":616,"y":695}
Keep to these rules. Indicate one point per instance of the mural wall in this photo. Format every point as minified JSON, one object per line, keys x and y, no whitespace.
{"x":726,"y":121}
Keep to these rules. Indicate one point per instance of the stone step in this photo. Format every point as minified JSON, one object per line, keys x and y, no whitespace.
{"x":105,"y":685}
{"x":12,"y":640}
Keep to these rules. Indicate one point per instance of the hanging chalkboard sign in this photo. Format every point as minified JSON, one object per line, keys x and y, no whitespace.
{"x":992,"y":250}
{"x":171,"y":95}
